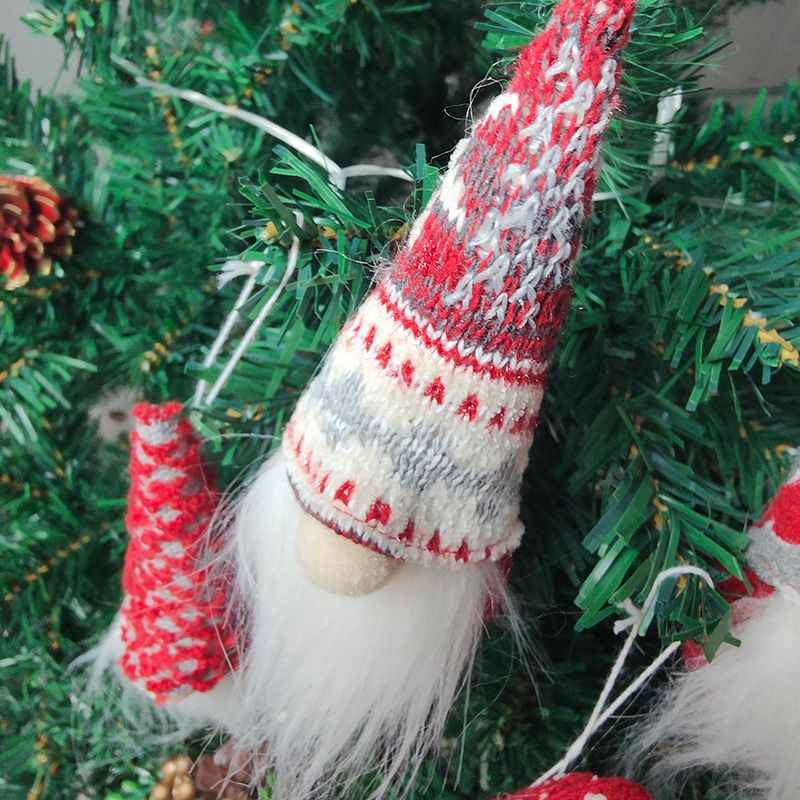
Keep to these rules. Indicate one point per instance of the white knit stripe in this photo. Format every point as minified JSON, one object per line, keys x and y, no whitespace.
{"x":157,"y":432}
{"x":502,"y":101}
{"x":438,"y":508}
{"x":416,"y":228}
{"x":449,"y":196}
{"x":492,"y":396}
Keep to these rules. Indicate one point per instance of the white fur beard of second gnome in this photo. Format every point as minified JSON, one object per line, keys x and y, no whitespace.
{"x":330,"y":686}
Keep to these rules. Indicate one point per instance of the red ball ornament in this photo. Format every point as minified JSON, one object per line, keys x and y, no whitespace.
{"x":583,"y":786}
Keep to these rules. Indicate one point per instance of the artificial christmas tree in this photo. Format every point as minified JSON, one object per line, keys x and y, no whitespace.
{"x":670,"y":400}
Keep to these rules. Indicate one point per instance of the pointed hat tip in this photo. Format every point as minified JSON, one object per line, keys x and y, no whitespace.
{"x":593,"y":29}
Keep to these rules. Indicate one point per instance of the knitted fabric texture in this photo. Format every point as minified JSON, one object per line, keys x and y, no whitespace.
{"x":172,"y":623}
{"x":583,"y":786}
{"x":774,"y":550}
{"x":413,"y":438}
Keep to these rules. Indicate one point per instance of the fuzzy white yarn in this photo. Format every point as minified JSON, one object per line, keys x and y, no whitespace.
{"x":738,"y":715}
{"x":331,"y":685}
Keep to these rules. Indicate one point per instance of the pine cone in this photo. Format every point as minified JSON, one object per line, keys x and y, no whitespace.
{"x":36,"y":226}
{"x":226,"y":775}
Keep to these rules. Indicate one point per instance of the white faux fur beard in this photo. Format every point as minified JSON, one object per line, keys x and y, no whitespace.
{"x":332,"y":686}
{"x":738,"y":716}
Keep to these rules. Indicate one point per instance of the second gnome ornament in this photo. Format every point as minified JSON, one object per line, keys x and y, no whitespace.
{"x":738,"y":716}
{"x":370,"y":547}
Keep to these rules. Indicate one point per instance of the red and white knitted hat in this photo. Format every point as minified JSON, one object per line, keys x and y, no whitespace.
{"x":774,"y":549}
{"x":413,"y":438}
{"x":172,"y":621}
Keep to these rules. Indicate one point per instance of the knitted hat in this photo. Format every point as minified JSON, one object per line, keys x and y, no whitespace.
{"x":773,"y":558}
{"x":172,"y":617}
{"x":413,"y":438}
{"x":583,"y":786}
{"x":774,"y":550}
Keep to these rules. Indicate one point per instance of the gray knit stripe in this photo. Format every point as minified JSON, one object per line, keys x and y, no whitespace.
{"x":338,"y":402}
{"x":774,"y":561}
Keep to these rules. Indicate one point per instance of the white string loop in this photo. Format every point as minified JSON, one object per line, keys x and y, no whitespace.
{"x":338,"y":175}
{"x":668,"y":106}
{"x":602,"y":710}
{"x":227,"y":326}
{"x":232,"y":269}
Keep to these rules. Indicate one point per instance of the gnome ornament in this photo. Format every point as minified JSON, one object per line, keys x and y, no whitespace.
{"x":739,"y":715}
{"x":371,"y":546}
{"x":373,"y":543}
{"x":582,"y":786}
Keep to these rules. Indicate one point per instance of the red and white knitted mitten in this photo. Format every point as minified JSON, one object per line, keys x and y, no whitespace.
{"x":172,"y":622}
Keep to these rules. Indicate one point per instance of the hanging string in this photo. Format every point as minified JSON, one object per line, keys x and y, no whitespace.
{"x":669,"y":105}
{"x":229,"y":271}
{"x":338,"y":175}
{"x":251,"y":332}
{"x":603,"y":712}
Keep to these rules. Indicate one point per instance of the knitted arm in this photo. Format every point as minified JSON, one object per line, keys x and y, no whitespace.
{"x":173,"y":629}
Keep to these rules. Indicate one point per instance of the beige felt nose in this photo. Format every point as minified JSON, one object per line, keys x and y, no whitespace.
{"x":338,"y":565}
